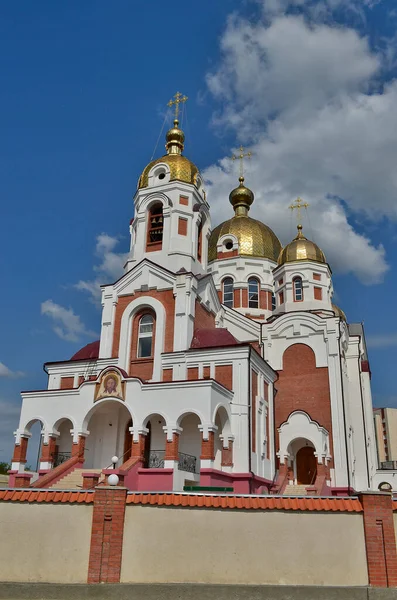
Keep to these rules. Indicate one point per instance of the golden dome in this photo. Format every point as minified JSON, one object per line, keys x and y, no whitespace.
{"x":339,"y":312}
{"x":254,"y":237}
{"x":301,"y":249}
{"x":181,"y":168}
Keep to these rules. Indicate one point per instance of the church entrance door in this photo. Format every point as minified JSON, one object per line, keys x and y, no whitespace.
{"x":306,"y":466}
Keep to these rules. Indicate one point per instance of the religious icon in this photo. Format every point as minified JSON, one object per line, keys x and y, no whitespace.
{"x":110,"y":386}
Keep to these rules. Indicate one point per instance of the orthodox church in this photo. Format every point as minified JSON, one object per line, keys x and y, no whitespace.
{"x":222,"y":361}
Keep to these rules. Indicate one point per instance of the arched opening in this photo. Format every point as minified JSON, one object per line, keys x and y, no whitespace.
{"x":155,"y":442}
{"x":298,"y":289}
{"x":154,"y":240}
{"x":63,"y":447}
{"x":107,"y":425}
{"x":145,"y":336}
{"x":143,"y":344}
{"x":228,"y":292}
{"x":223,"y":424}
{"x":253,"y":292}
{"x":127,"y":442}
{"x":35,"y":429}
{"x":302,"y":453}
{"x":189,"y":443}
{"x":200,"y":240}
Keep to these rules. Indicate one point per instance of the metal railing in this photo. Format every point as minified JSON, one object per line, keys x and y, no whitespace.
{"x":60,"y":457}
{"x":389,"y":465}
{"x":186,"y":462}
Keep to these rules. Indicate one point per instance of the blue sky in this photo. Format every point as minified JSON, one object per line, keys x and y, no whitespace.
{"x":308,"y":85}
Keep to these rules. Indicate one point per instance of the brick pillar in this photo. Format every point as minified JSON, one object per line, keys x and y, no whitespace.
{"x":380,"y":540}
{"x":79,"y":447}
{"x":22,"y":480}
{"x":90,"y":480}
{"x":20,"y":451}
{"x":227,"y":455}
{"x":138,"y":448}
{"x":48,"y":450}
{"x":107,"y":533}
{"x":172,"y":448}
{"x":208,"y":446}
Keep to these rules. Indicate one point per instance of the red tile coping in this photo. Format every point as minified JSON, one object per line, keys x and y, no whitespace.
{"x":247,"y":502}
{"x":193,"y":500}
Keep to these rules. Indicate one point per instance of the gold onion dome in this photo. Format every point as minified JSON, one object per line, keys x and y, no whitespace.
{"x":254,"y":237}
{"x":339,"y":312}
{"x":301,"y":249}
{"x":181,"y":168}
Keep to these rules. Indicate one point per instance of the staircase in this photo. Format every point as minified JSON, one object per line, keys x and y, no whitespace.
{"x":295,"y":490}
{"x":73,"y":480}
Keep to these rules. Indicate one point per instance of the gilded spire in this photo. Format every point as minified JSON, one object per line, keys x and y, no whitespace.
{"x":241,"y":197}
{"x":175,"y":137}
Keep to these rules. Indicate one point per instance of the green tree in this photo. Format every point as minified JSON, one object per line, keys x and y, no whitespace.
{"x":4,"y":467}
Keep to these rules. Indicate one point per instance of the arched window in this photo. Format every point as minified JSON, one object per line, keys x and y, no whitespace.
{"x":145,"y":336}
{"x":227,"y":291}
{"x":199,"y":240}
{"x":298,"y":289}
{"x":253,"y":292}
{"x":273,"y":301}
{"x":155,"y":228}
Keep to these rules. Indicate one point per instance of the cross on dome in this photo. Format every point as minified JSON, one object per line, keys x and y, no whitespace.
{"x":241,"y":157}
{"x":178,"y":100}
{"x":299,"y":204}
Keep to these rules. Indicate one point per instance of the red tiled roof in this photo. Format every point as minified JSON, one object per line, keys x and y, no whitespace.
{"x":29,"y":495}
{"x":213,"y":338}
{"x":90,"y":351}
{"x":248,"y":502}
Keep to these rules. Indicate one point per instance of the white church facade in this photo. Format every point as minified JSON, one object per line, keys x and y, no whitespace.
{"x":222,"y":361}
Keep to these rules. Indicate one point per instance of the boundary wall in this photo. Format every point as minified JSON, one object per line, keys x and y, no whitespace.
{"x":109,"y":535}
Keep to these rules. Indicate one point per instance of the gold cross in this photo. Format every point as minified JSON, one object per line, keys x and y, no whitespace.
{"x":298,"y":206}
{"x":241,"y":157}
{"x":178,"y":99}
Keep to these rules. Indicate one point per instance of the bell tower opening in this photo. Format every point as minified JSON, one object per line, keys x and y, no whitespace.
{"x":155,"y":228}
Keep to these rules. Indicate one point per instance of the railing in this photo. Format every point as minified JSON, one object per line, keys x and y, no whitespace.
{"x":389,"y":465}
{"x":60,"y":458}
{"x":186,"y":462}
{"x":156,"y":459}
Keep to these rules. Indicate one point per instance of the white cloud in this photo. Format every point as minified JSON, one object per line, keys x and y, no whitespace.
{"x":8,"y":373}
{"x":304,"y":96}
{"x":66,"y":324}
{"x":110,"y":267}
{"x":382,"y":341}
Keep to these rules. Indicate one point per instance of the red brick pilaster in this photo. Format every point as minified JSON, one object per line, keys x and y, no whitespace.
{"x":20,"y":450}
{"x":90,"y":480}
{"x":208,"y":446}
{"x":138,"y":448}
{"x":22,"y":480}
{"x":48,"y":450}
{"x":107,"y":532}
{"x":380,"y":540}
{"x":79,"y":447}
{"x":227,"y":455}
{"x":172,"y":447}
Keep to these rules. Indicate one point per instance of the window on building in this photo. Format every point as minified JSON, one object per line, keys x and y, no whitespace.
{"x":253,"y":292}
{"x":155,"y":227}
{"x":228,"y":291}
{"x":273,"y":301}
{"x":199,"y":240}
{"x":298,"y":289}
{"x":145,"y":336}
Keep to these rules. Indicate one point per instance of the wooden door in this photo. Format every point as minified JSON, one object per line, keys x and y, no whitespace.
{"x":306,"y":466}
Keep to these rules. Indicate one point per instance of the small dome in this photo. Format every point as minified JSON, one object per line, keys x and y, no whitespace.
{"x":90,"y":351}
{"x":181,"y":168}
{"x":254,"y":238}
{"x":241,"y":197}
{"x":301,"y":249}
{"x":339,"y":312}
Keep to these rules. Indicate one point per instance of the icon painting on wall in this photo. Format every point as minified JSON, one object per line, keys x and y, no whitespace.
{"x":110,"y":386}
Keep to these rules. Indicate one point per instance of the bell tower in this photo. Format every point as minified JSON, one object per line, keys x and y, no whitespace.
{"x":172,"y":224}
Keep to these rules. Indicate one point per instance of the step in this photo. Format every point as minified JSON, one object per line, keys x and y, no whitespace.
{"x":295,"y":490}
{"x":73,"y":480}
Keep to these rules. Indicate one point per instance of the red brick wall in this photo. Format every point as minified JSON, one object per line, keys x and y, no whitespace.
{"x":172,"y":448}
{"x":182,"y":226}
{"x":380,"y":539}
{"x":192,"y":373}
{"x":203,"y":318}
{"x":67,"y":383}
{"x":206,"y":372}
{"x":224,"y":374}
{"x":302,"y":386}
{"x":237,"y":298}
{"x":142,"y":368}
{"x":318,"y":293}
{"x":166,"y":297}
{"x":254,"y":393}
{"x":107,"y":535}
{"x":167,"y":374}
